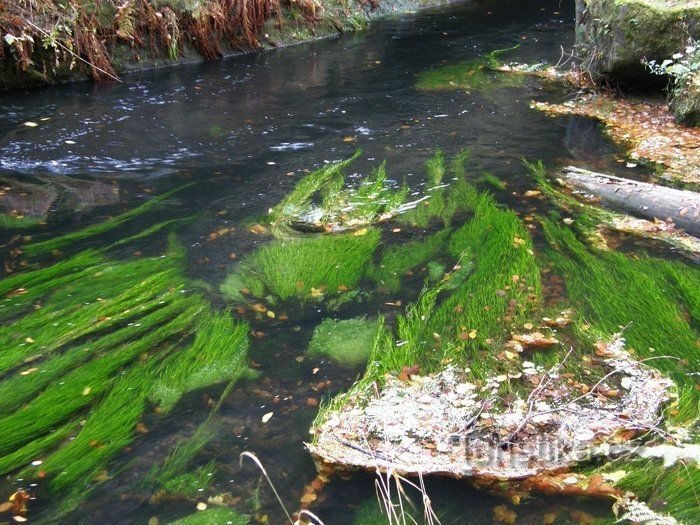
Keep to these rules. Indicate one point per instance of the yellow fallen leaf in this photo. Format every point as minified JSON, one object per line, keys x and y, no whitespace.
{"x":316,"y":292}
{"x":271,"y":314}
{"x":267,"y":417}
{"x":28,"y":371}
{"x":472,"y":334}
{"x":201,"y":506}
{"x":29,"y":340}
{"x":87,"y":390}
{"x":308,"y":498}
{"x":360,"y":232}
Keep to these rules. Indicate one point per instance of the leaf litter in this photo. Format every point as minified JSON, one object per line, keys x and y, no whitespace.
{"x":444,"y":424}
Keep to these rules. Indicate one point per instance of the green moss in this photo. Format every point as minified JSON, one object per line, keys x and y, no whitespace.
{"x":309,"y":266}
{"x":213,"y":516}
{"x":347,"y":342}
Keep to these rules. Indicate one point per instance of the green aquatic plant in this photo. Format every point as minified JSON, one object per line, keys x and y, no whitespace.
{"x":655,"y":300}
{"x":217,"y":354}
{"x":213,"y":516}
{"x":306,"y":267}
{"x":493,"y":284}
{"x":477,"y":74}
{"x":63,"y":241}
{"x":397,"y":260}
{"x":347,"y":342}
{"x":88,"y":342}
{"x":296,"y":203}
{"x":12,"y":222}
{"x":324,"y":201}
{"x":443,"y":199}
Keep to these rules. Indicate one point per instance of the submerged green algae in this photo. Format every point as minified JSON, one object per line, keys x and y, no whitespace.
{"x":88,"y":341}
{"x":305,"y":267}
{"x":69,"y":239}
{"x":477,"y":74}
{"x":213,"y":516}
{"x":346,"y":342}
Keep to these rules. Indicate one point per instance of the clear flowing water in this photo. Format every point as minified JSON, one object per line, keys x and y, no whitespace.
{"x":244,"y":130}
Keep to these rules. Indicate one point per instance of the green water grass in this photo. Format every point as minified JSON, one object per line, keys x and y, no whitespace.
{"x":213,"y":516}
{"x":33,"y":378}
{"x":445,"y":197}
{"x":475,"y":74}
{"x":81,"y":387}
{"x":69,"y":239}
{"x":397,"y":260}
{"x":296,"y":202}
{"x":90,"y":339}
{"x":11,"y":222}
{"x":347,"y":342}
{"x":656,"y":300}
{"x":493,"y":285}
{"x":495,"y":249}
{"x":217,"y":354}
{"x":310,"y":265}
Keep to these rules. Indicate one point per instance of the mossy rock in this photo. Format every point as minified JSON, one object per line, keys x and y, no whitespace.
{"x":347,"y":342}
{"x":616,"y":35}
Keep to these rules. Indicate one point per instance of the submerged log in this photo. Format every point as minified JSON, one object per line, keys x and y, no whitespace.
{"x":648,"y":201}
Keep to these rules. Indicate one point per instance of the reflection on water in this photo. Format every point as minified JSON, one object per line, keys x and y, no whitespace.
{"x":246,"y":129}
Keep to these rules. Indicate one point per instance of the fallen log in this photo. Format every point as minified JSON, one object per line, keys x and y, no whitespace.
{"x":648,"y":201}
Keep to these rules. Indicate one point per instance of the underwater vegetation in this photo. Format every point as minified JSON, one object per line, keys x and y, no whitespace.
{"x":304,"y":267}
{"x":479,"y":74}
{"x":91,"y":344}
{"x":324,"y":258}
{"x":60,"y":242}
{"x":470,"y":318}
{"x":213,"y":516}
{"x":347,"y":341}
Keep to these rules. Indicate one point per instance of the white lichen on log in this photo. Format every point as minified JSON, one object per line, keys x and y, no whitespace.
{"x":444,"y":424}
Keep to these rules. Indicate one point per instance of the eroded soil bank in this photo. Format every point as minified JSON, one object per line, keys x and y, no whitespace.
{"x":49,"y":41}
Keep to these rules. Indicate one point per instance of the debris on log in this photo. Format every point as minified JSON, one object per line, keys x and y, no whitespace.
{"x":444,"y":424}
{"x":641,"y":199}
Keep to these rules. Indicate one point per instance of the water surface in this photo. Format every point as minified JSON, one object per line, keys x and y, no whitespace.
{"x":245,"y":129}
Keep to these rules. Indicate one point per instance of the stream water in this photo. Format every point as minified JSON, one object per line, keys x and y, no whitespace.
{"x":244,"y":130}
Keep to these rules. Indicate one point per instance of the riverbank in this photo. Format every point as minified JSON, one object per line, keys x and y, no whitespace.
{"x":49,"y":42}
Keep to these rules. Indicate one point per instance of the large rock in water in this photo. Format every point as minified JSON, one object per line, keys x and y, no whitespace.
{"x":616,"y":36}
